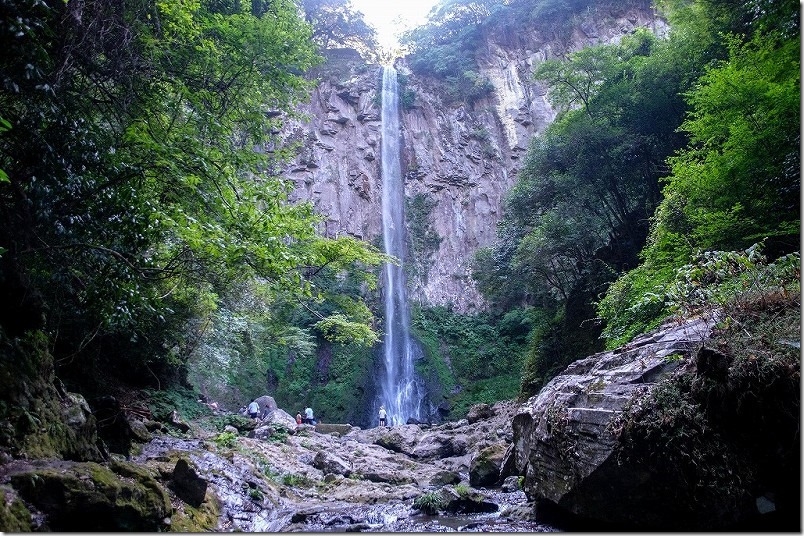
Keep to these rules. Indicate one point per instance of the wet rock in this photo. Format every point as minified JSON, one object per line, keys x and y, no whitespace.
{"x":445,"y":478}
{"x":330,"y":463}
{"x":91,"y":497}
{"x":480,"y":412}
{"x":485,"y":467}
{"x":523,"y":512}
{"x":472,"y":504}
{"x":187,"y":484}
{"x":14,"y":516}
{"x":328,"y":428}
{"x":177,"y":421}
{"x":510,"y":484}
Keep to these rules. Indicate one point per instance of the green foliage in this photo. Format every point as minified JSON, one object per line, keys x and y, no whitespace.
{"x":133,"y":141}
{"x":294,"y":480}
{"x":447,"y":45}
{"x":226,"y":440}
{"x":407,"y":95}
{"x":463,"y":490}
{"x":279,"y":435}
{"x":430,"y":503}
{"x":335,"y":23}
{"x":718,"y":278}
{"x":736,"y":183}
{"x":739,"y":179}
{"x":475,"y":358}
{"x":184,"y":401}
{"x":714,"y":279}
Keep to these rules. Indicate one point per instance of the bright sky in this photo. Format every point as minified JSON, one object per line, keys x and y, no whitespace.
{"x":392,"y":17}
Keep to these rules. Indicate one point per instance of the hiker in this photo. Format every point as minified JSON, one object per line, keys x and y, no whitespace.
{"x":253,"y":409}
{"x":308,"y":416}
{"x":383,"y":415}
{"x":298,"y":418}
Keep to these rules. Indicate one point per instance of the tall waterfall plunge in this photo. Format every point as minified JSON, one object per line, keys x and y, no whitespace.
{"x":400,"y":392}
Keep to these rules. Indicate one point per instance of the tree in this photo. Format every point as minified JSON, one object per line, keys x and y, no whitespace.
{"x":738,"y":181}
{"x":135,"y":197}
{"x":335,"y":23}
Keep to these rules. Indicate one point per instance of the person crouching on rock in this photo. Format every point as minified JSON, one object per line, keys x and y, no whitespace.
{"x":298,"y":418}
{"x":253,"y":409}
{"x":383,"y":415}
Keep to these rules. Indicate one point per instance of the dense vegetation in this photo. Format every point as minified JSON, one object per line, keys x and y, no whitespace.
{"x":145,"y":241}
{"x":139,"y":223}
{"x":471,"y":358}
{"x":664,"y":148}
{"x":447,"y":46}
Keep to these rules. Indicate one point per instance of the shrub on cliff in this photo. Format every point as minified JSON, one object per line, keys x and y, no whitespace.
{"x":727,"y":429}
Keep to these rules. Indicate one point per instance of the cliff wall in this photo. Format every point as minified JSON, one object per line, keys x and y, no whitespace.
{"x":458,"y":160}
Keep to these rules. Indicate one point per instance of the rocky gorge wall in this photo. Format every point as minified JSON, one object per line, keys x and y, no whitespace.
{"x":458,"y":160}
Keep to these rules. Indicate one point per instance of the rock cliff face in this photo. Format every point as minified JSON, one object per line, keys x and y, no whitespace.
{"x":675,"y":431}
{"x":459,"y":160}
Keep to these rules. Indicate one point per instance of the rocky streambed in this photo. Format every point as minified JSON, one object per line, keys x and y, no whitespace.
{"x":274,"y":476}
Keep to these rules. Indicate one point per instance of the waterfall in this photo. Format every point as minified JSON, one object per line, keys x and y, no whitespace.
{"x":399,"y":389}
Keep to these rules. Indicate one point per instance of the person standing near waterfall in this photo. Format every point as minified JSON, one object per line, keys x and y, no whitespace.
{"x":308,"y":416}
{"x":383,"y":416}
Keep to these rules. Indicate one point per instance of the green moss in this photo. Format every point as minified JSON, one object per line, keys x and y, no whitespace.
{"x":90,"y":496}
{"x":202,"y":519}
{"x":14,"y":516}
{"x":32,"y":419}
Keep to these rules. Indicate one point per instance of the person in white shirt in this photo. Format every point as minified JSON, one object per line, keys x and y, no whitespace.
{"x":383,"y":416}
{"x":308,"y":416}
{"x":253,"y":409}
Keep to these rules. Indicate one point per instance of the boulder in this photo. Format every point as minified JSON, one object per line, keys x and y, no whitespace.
{"x":445,"y":478}
{"x":261,"y":432}
{"x":510,"y":484}
{"x":399,"y":438}
{"x":187,"y":484}
{"x":480,"y":412}
{"x":177,"y":421}
{"x":92,"y":497}
{"x":565,"y":446}
{"x":279,"y":418}
{"x":433,"y":446}
{"x":330,"y":428}
{"x":267,"y":405}
{"x":330,"y":463}
{"x":484,"y":469}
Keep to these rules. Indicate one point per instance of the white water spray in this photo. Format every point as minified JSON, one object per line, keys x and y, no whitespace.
{"x":399,"y":390}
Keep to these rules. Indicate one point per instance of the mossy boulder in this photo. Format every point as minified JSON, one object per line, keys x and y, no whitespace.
{"x":188,"y":485}
{"x":14,"y":516}
{"x":92,"y":497}
{"x":485,"y":467}
{"x":38,"y":418}
{"x":204,"y":518}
